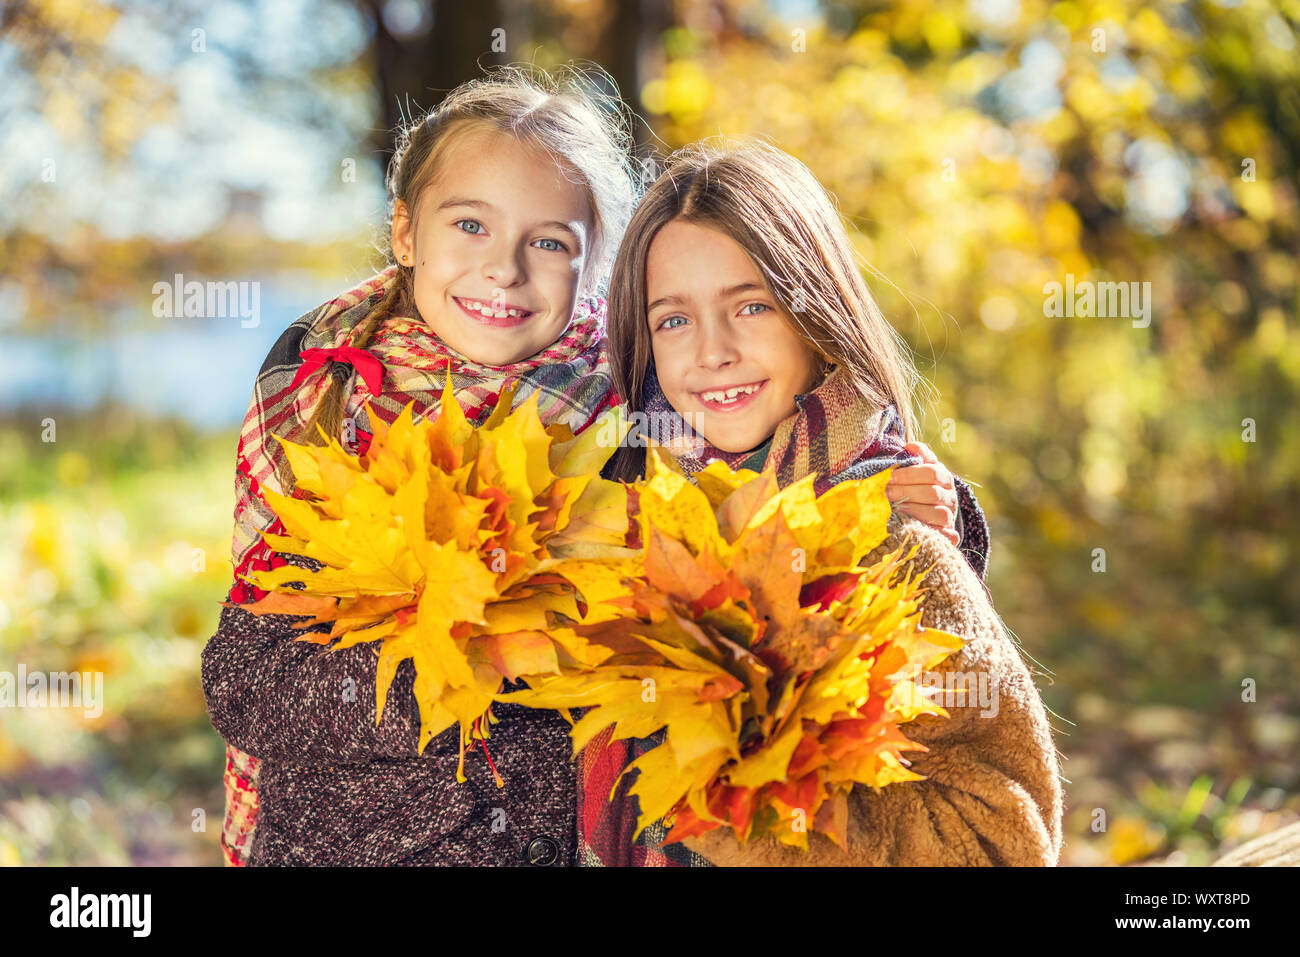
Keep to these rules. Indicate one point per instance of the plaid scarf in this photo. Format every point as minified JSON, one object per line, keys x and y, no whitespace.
{"x":607,"y":820}
{"x":404,"y":361}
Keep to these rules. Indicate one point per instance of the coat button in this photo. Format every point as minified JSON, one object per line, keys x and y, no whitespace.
{"x":542,"y":851}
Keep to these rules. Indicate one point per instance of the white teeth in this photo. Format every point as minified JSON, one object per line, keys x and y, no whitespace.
{"x":730,"y":394}
{"x":487,"y":309}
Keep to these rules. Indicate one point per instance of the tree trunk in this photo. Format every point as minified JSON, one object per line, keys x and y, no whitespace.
{"x":414,"y":73}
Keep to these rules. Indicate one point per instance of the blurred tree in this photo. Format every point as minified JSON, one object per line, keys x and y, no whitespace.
{"x":422,"y":50}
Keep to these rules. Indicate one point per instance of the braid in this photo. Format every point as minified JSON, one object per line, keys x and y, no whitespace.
{"x":329,"y":412}
{"x":331,"y":409}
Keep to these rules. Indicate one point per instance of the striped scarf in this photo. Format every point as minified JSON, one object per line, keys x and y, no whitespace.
{"x":571,"y":377}
{"x":836,"y":435}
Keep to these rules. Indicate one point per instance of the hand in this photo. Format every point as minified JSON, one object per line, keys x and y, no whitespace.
{"x":926,"y":492}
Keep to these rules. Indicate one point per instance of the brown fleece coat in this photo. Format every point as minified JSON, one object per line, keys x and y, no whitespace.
{"x":992,"y":794}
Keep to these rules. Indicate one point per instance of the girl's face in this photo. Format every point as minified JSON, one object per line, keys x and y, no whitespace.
{"x":714,"y":328}
{"x":498,"y":246}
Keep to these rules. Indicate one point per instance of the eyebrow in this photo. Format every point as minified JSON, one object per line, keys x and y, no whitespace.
{"x":483,"y":204}
{"x":723,"y":294}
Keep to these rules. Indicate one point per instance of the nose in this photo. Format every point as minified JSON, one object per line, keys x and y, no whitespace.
{"x":718,"y":347}
{"x":503,"y":267}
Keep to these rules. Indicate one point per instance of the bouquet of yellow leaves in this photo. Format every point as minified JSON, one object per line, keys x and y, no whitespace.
{"x":455,"y":546}
{"x":781,"y":669}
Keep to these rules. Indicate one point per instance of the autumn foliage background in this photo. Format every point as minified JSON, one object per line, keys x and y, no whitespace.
{"x":978,"y":149}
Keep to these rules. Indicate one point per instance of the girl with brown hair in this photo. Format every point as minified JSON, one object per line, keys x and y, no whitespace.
{"x":736,"y":303}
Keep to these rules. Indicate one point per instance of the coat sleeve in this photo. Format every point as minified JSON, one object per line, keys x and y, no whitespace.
{"x":280,"y":699}
{"x":991,"y":794}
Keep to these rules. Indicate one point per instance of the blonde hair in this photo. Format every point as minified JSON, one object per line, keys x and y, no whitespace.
{"x":777,"y":211}
{"x":585,"y":131}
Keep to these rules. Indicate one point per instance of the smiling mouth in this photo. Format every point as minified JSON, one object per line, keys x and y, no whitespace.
{"x":735,"y":397}
{"x":490,"y":315}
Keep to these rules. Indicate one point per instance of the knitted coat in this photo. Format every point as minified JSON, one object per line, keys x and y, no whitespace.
{"x":992,"y":793}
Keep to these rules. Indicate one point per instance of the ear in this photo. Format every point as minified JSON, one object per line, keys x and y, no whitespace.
{"x":586,"y":286}
{"x":588,"y":280}
{"x":401,"y":237}
{"x":587,"y":283}
{"x":818,"y":368}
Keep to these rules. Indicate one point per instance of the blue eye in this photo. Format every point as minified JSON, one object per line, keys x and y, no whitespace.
{"x":473,"y":222}
{"x":747,"y":305}
{"x":556,"y":247}
{"x":664,"y":324}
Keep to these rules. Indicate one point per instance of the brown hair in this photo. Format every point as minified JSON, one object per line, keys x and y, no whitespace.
{"x":585,"y":131}
{"x":777,"y":211}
